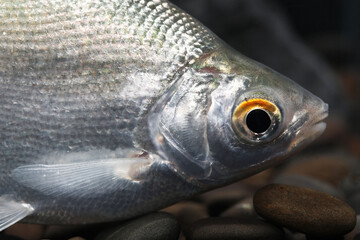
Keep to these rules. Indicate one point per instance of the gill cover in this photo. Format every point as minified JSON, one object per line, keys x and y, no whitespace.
{"x":178,"y":124}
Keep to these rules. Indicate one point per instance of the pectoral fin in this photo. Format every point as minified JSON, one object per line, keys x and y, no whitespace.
{"x":81,"y":178}
{"x":12,"y":211}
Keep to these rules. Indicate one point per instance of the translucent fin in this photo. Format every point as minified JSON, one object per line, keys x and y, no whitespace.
{"x":12,"y":211}
{"x":82,"y":178}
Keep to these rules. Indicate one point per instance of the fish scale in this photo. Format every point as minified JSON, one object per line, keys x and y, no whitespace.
{"x":111,"y":109}
{"x":81,"y":44}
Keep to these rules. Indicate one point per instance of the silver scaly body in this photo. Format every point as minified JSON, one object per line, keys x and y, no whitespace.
{"x":89,"y":94}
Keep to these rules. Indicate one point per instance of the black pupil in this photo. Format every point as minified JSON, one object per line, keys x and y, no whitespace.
{"x":258,"y":121}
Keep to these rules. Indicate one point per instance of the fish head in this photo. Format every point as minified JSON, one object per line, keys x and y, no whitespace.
{"x":258,"y":117}
{"x":231,"y":117}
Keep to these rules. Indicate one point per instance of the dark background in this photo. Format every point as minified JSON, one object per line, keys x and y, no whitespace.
{"x":316,"y":43}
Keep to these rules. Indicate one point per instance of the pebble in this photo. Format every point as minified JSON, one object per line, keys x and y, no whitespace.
{"x":354,"y":202}
{"x":9,"y":237}
{"x":309,"y":182}
{"x":304,"y":210}
{"x":68,"y":231}
{"x":260,"y":179}
{"x":355,"y":233}
{"x":290,"y":235}
{"x":330,"y":168}
{"x":351,"y":184}
{"x":153,"y":226}
{"x":187,"y":213}
{"x":243,"y":209}
{"x":221,"y":199}
{"x":26,"y":231}
{"x":230,"y":228}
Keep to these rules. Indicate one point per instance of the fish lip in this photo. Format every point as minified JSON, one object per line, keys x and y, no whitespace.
{"x":306,"y":130}
{"x":322,"y":115}
{"x":303,"y":122}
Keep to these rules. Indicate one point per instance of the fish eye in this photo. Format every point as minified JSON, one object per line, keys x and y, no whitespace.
{"x":256,"y":120}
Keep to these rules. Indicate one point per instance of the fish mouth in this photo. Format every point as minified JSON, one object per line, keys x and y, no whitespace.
{"x":307,"y":128}
{"x":318,"y":126}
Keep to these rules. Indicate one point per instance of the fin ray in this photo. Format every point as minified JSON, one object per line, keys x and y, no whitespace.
{"x":79,"y":178}
{"x":12,"y":211}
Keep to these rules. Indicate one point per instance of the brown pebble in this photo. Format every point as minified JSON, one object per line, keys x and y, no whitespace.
{"x":304,"y":210}
{"x":328,"y":168}
{"x":355,"y":233}
{"x":26,"y":231}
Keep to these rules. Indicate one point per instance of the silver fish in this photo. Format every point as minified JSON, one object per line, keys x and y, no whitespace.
{"x":113,"y":108}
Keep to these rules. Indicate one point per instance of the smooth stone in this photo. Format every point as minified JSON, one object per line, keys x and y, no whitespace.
{"x":243,"y":209}
{"x":355,"y":233}
{"x":304,"y":210}
{"x":187,"y":213}
{"x":329,"y":168}
{"x":222,"y":198}
{"x":354,"y":145}
{"x":351,"y":184}
{"x":231,"y":228}
{"x":9,"y":237}
{"x":153,"y":226}
{"x":260,"y":179}
{"x":26,"y":231}
{"x":354,"y":202}
{"x":308,"y":182}
{"x":290,"y":235}
{"x":68,"y":231}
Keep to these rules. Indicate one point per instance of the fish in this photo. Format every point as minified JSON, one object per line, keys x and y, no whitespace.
{"x":110,"y":109}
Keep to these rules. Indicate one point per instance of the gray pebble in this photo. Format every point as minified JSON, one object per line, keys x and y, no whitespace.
{"x":220,"y":199}
{"x":291,"y":235}
{"x":187,"y":213}
{"x":354,"y":202}
{"x":150,"y":227}
{"x":243,"y":209}
{"x":232,"y":228}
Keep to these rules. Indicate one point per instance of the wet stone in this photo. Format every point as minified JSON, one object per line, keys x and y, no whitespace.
{"x":26,"y":231}
{"x":220,"y":199}
{"x":230,"y":228}
{"x":354,"y":202}
{"x":304,"y":210}
{"x":187,"y":213}
{"x":329,"y":168}
{"x":351,"y":184}
{"x":291,"y":235}
{"x":9,"y":237}
{"x":68,"y":231}
{"x":149,"y":227}
{"x":355,"y":233}
{"x":243,"y":209}
{"x":309,"y":182}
